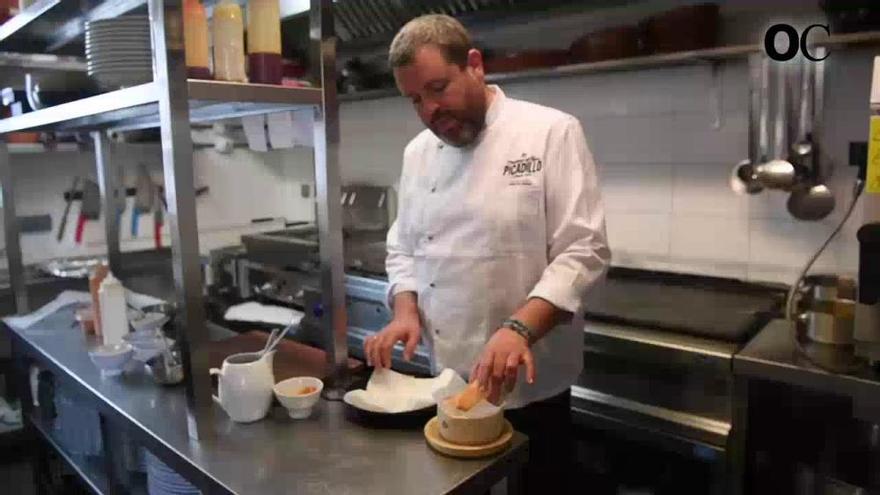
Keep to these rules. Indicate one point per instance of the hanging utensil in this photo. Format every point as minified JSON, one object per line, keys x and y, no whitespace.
{"x":803,"y":145}
{"x":90,"y":209}
{"x":743,"y":177}
{"x":68,"y":201}
{"x":158,"y":220}
{"x":143,"y":197}
{"x":779,"y":172}
{"x":811,"y":200}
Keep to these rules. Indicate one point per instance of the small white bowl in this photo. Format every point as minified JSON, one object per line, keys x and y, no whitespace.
{"x":111,"y":359}
{"x":298,"y":405}
{"x":147,"y":323}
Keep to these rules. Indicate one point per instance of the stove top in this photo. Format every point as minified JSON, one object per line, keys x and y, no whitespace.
{"x":716,"y":308}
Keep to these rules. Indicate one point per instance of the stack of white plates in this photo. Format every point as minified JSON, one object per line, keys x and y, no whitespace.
{"x":162,"y":480}
{"x":118,"y":51}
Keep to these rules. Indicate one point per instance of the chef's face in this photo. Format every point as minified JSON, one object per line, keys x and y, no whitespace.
{"x":450,"y":100}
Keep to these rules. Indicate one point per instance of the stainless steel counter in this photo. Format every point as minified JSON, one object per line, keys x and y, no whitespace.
{"x":324,"y":454}
{"x":771,"y":355}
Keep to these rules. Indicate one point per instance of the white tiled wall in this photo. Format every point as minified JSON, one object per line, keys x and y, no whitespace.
{"x":664,"y":165}
{"x":663,"y":161}
{"x":242,"y":186}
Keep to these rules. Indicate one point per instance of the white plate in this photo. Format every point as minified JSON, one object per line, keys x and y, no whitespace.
{"x":131,"y":59}
{"x":121,"y":62}
{"x":118,"y":22}
{"x":118,"y":44}
{"x":122,"y":67}
{"x":118,"y":47}
{"x":134,"y":31}
{"x":119,"y":37}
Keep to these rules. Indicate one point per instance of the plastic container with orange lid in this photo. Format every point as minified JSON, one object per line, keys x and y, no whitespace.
{"x":195,"y":39}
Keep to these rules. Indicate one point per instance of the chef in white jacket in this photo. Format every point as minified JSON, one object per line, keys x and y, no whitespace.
{"x":499,"y":236}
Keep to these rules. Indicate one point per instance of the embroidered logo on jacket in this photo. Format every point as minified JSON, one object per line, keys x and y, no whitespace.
{"x":523,"y":167}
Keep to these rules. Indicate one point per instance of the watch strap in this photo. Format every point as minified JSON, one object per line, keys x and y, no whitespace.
{"x":522,"y":329}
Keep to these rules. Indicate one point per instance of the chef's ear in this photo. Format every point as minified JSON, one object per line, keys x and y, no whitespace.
{"x":475,"y":63}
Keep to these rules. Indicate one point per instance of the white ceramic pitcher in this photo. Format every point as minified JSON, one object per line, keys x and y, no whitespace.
{"x":244,"y":385}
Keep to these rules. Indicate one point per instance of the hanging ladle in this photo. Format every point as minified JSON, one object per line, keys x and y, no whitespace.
{"x":810,"y":200}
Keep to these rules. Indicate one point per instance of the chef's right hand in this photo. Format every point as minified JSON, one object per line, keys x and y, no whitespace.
{"x":377,"y":348}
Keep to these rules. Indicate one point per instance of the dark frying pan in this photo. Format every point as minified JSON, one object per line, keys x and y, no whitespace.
{"x":411,"y":420}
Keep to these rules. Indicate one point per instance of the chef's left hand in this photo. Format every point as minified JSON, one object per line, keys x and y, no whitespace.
{"x":499,"y":363}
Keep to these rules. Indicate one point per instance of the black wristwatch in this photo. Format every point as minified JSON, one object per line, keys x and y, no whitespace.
{"x":522,"y":329}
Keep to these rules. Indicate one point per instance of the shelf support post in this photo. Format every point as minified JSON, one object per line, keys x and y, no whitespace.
{"x":166,"y":24}
{"x":108,"y":180}
{"x":15,"y":263}
{"x":328,"y":187}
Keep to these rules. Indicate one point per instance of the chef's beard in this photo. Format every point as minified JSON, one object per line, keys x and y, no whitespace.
{"x":469,"y":130}
{"x":471,"y":118}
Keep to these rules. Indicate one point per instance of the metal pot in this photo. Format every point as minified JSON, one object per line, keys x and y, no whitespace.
{"x":828,"y":308}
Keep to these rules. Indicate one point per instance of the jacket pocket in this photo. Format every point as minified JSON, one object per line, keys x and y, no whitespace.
{"x":519,"y":220}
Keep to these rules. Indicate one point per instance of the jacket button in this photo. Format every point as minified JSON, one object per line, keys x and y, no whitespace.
{"x":433,"y":189}
{"x":432,"y":285}
{"x":430,"y":238}
{"x":436,"y":332}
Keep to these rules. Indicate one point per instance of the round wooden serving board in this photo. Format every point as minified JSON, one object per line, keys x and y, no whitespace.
{"x":432,"y":435}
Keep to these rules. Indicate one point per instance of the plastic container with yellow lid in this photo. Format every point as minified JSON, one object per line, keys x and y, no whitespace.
{"x":229,"y":42}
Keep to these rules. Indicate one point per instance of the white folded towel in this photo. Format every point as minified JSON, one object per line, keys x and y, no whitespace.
{"x":391,"y":392}
{"x":262,"y":313}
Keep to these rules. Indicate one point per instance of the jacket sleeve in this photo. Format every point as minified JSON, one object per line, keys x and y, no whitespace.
{"x":399,"y":258}
{"x":577,"y":247}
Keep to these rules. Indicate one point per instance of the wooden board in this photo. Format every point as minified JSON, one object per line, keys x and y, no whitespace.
{"x":291,"y":358}
{"x":432,"y":435}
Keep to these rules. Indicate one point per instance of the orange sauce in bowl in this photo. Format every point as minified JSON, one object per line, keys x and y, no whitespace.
{"x":306,"y":390}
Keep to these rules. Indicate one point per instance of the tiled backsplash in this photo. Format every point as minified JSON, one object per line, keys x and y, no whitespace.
{"x":665,"y":140}
{"x":242,"y":186}
{"x":664,"y":164}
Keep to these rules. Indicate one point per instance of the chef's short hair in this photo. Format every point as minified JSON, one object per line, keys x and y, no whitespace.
{"x":442,"y":31}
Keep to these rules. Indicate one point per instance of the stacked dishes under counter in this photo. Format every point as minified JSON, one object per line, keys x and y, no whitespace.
{"x":657,"y":372}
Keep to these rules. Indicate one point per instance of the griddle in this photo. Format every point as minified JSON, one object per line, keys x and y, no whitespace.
{"x":715,"y":308}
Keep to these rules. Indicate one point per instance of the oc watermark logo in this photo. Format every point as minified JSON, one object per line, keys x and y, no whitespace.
{"x":796,"y":42}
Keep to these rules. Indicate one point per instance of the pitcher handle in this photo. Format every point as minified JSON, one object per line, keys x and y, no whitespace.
{"x":218,"y":372}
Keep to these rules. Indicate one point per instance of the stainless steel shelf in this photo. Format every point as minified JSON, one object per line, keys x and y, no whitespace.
{"x":52,"y":25}
{"x":30,"y":148}
{"x":136,"y":108}
{"x":92,"y":475}
{"x":635,"y":63}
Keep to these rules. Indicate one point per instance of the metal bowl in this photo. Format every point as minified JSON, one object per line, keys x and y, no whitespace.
{"x":165,"y":372}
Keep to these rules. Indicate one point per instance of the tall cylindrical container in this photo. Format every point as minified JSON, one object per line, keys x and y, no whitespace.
{"x":264,"y":41}
{"x":95,"y":280}
{"x":195,"y":40}
{"x":229,"y":42}
{"x":114,"y":318}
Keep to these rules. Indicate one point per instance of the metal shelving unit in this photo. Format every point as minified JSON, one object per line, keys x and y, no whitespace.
{"x":91,"y":474}
{"x":172,"y":103}
{"x":53,"y":25}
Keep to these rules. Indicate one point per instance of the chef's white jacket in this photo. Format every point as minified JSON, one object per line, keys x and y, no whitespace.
{"x":481,"y":229}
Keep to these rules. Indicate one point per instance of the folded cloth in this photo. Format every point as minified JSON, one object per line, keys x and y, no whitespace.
{"x":392,"y":392}
{"x":69,"y":297}
{"x":9,"y":415}
{"x":66,"y":298}
{"x":263,"y":313}
{"x":141,"y":301}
